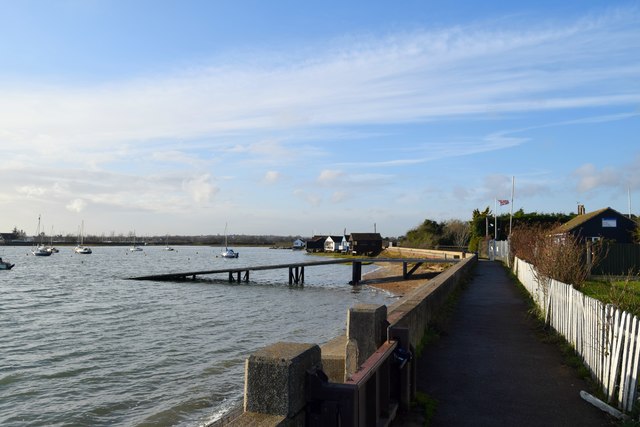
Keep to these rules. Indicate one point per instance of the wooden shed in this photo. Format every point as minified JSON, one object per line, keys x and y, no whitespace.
{"x":605,"y":223}
{"x":365,"y":243}
{"x":316,"y":243}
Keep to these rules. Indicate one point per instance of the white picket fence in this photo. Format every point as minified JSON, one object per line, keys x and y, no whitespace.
{"x":605,"y":337}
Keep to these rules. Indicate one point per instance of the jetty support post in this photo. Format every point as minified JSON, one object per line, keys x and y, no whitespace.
{"x":275,"y":387}
{"x":407,"y":273}
{"x":296,"y":275}
{"x":356,"y":272}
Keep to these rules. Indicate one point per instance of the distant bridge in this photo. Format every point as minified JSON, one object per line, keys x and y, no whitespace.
{"x":296,"y":270}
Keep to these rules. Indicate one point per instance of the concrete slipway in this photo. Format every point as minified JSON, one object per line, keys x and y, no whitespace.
{"x":490,"y":367}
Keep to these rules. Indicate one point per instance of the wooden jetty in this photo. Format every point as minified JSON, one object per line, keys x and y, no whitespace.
{"x":296,"y":270}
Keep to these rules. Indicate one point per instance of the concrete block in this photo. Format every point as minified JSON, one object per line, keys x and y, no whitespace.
{"x":333,"y":357}
{"x":351,"y":359}
{"x":275,"y":378}
{"x":367,"y":325}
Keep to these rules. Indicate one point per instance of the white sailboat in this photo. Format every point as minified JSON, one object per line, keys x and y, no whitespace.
{"x":81,"y":248}
{"x":228,"y":253}
{"x":167,"y":247}
{"x":40,"y":249}
{"x":134,"y":247}
{"x":51,"y":248}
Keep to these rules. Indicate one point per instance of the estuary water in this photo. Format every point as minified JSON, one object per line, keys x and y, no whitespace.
{"x":80,"y":345}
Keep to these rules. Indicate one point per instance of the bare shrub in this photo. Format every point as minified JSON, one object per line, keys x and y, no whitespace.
{"x":458,"y":231}
{"x":565,"y":258}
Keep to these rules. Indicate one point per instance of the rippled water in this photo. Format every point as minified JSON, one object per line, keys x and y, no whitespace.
{"x":82,"y":345}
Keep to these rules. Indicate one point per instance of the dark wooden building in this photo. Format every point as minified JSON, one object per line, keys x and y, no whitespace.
{"x":605,"y":223}
{"x":365,"y":243}
{"x":316,"y":244}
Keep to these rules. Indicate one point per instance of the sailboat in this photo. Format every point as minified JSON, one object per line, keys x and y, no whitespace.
{"x":51,"y":248}
{"x":134,"y":247}
{"x":228,"y":253}
{"x":40,"y":249}
{"x":81,"y":248}
{"x":167,"y":247}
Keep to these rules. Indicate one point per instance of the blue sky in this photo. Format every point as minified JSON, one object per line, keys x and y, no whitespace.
{"x":288,"y":117}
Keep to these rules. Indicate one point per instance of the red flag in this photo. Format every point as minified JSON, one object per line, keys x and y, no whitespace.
{"x":503,"y":202}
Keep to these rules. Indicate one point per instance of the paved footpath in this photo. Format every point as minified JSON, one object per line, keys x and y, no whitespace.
{"x":490,"y":368}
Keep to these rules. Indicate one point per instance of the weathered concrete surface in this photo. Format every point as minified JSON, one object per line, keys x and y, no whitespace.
{"x":490,"y":368}
{"x":426,"y":253}
{"x":333,"y":358}
{"x":367,"y":326}
{"x":275,"y":378}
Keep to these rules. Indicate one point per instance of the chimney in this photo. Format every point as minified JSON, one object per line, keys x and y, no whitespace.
{"x":581,"y":210}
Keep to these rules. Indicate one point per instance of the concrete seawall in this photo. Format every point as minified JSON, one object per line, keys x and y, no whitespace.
{"x":425,"y":253}
{"x":417,"y":309}
{"x":368,"y":327}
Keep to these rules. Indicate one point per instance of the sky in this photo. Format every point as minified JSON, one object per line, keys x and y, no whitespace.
{"x":300,"y":118}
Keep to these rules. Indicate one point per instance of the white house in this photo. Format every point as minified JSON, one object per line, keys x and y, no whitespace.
{"x":332,"y":243}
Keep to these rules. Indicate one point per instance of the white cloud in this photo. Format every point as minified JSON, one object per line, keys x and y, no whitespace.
{"x":76,"y":205}
{"x":272,"y":177}
{"x":589,"y":177}
{"x":312,"y":199}
{"x":339,"y":196}
{"x":31,"y":190}
{"x":328,"y":176}
{"x":200,"y":189}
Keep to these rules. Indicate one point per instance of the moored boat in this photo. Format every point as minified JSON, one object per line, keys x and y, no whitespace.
{"x":167,"y":247}
{"x":40,"y":249}
{"x":51,"y":248}
{"x":4,"y":265}
{"x":134,"y":247}
{"x":81,"y":248}
{"x":228,"y":253}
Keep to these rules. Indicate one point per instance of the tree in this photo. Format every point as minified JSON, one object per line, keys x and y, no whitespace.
{"x":19,"y":234}
{"x":458,"y":231}
{"x":427,"y":235}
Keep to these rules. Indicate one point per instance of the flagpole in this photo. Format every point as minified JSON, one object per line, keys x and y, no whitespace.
{"x":513,"y":189}
{"x":495,"y":219}
{"x":495,"y":226}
